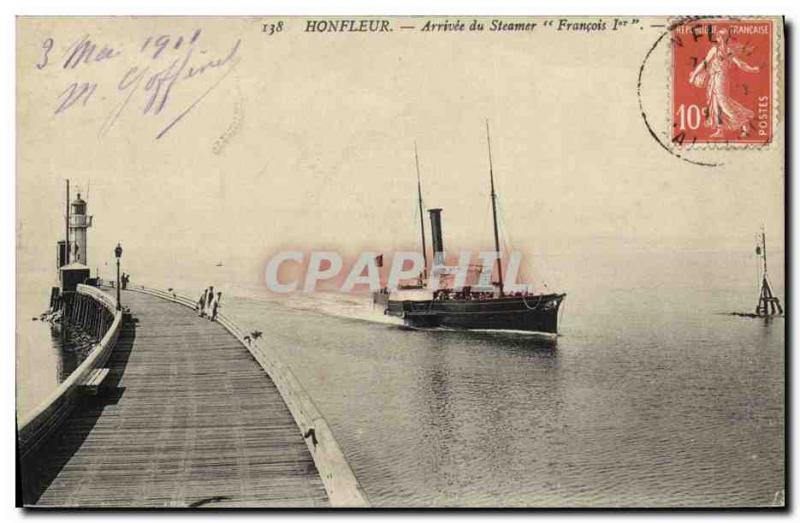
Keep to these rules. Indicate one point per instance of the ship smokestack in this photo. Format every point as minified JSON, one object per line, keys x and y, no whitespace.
{"x":436,"y":233}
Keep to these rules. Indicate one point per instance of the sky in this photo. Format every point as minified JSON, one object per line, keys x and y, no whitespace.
{"x":306,"y":141}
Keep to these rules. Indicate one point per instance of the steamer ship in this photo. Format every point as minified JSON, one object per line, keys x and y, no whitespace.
{"x":473,"y":307}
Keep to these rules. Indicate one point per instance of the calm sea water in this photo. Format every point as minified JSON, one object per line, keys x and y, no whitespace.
{"x":650,"y":397}
{"x":46,"y":355}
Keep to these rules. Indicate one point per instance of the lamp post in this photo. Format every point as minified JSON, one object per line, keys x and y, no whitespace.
{"x":118,"y":254}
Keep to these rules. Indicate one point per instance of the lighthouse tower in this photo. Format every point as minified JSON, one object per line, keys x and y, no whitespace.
{"x":79,"y":222}
{"x":72,"y":261}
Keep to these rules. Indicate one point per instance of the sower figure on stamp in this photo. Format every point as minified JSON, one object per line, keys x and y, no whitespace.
{"x":724,"y":113}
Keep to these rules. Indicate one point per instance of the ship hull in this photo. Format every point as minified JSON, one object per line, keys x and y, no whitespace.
{"x":512,"y":313}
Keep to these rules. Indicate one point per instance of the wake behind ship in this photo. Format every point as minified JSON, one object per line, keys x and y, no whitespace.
{"x":474,"y":307}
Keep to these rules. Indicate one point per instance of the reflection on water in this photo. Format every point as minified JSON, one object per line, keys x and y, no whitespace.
{"x":642,"y":401}
{"x":72,"y":349}
{"x":448,"y":393}
{"x":46,"y":356}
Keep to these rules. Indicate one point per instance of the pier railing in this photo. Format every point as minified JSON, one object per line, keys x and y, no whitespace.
{"x":33,"y":427}
{"x":340,"y":482}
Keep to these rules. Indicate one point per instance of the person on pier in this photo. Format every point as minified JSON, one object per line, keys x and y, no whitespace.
{"x":201,"y":303}
{"x":209,"y":300}
{"x":215,"y":306}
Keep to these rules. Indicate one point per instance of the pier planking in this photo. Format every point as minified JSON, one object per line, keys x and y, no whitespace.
{"x":189,"y":419}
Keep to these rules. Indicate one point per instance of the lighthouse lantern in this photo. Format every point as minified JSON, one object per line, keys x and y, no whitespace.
{"x":79,"y":222}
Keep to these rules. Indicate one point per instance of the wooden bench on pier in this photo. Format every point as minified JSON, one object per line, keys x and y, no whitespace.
{"x":91,"y":384}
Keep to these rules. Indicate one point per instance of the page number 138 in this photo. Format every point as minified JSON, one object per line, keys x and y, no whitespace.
{"x":272,"y":28}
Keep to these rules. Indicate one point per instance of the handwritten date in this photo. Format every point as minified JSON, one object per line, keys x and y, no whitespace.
{"x":161,"y":66}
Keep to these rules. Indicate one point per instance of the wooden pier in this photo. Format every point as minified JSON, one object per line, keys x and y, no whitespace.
{"x":185,"y":418}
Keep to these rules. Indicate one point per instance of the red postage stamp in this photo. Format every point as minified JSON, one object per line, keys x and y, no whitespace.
{"x":722,"y":88}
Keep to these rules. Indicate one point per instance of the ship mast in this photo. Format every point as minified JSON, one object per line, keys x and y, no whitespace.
{"x":421,"y":216}
{"x":494,"y":210}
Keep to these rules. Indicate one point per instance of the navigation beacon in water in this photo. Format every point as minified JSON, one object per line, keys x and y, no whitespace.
{"x":768,"y":304}
{"x":474,"y":307}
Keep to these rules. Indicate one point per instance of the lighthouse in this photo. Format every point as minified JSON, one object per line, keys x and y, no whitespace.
{"x":72,"y":253}
{"x":79,"y":222}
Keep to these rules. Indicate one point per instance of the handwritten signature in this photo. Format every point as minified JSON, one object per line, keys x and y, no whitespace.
{"x":163,"y":64}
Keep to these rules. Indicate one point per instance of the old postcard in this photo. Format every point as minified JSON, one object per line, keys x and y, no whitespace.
{"x":401,"y":262}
